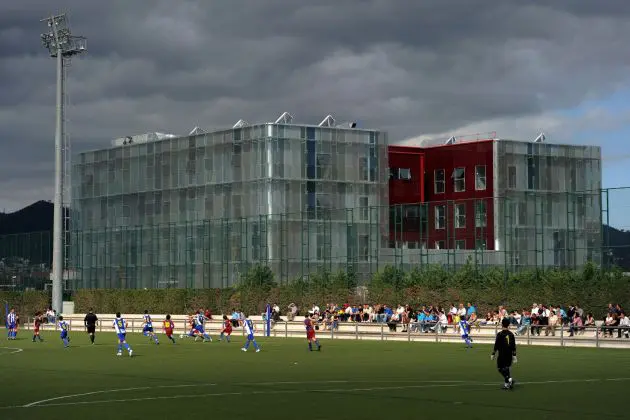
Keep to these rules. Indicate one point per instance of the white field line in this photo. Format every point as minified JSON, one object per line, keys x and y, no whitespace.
{"x":296,"y":391}
{"x":14,"y":350}
{"x":111,"y":391}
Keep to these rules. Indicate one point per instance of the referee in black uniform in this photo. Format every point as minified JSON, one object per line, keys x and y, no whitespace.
{"x":90,"y":324}
{"x":505,"y":345}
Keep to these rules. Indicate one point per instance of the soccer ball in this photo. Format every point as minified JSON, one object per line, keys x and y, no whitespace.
{"x":181,"y":336}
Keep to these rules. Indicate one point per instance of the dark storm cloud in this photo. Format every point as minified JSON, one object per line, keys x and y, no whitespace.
{"x":410,"y":67}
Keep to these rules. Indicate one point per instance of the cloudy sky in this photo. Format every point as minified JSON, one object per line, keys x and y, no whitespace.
{"x":414,"y":68}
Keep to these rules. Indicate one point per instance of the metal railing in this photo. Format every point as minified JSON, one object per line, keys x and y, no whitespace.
{"x":563,"y":336}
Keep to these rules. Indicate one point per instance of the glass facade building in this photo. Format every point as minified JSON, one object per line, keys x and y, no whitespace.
{"x":199,"y":210}
{"x":552,"y":212}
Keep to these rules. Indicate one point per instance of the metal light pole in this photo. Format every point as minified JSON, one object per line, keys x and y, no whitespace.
{"x":62,"y":46}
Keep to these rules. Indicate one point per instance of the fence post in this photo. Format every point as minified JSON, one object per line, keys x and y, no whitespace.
{"x":286,"y":329}
{"x":529,"y":329}
{"x":436,"y":335}
{"x":132,"y":325}
{"x":561,"y":335}
{"x":356,"y":330}
{"x":596,"y":336}
{"x":409,"y":332}
{"x":382,"y":333}
{"x":332,"y":331}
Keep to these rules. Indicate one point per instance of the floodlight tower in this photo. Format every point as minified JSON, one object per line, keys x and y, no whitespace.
{"x":62,"y":45}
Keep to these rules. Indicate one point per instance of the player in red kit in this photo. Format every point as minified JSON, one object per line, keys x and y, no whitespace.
{"x":310,"y":334}
{"x":37,"y":323}
{"x":227,"y":329}
{"x":169,"y":326}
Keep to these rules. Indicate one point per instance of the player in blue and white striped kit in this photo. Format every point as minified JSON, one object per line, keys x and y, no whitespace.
{"x":147,"y":330}
{"x":121,"y":331}
{"x":248,"y":325}
{"x":12,"y":324}
{"x":465,"y":328}
{"x":199,"y":321}
{"x":63,"y":332}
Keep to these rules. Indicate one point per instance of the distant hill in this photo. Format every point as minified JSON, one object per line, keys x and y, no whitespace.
{"x":38,"y":217}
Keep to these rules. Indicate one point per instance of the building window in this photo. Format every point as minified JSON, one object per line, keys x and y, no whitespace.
{"x":439,"y":181}
{"x":364,"y":247}
{"x":481,"y":214}
{"x":459,"y":179}
{"x":440,"y":245}
{"x":323,"y":168}
{"x":481,"y":244}
{"x":440,"y":217}
{"x":404,"y":173}
{"x":323,"y":245}
{"x":480,"y":177}
{"x":532,"y":173}
{"x":460,"y":244}
{"x":460,"y":216}
{"x":363,"y":169}
{"x":363,"y":208}
{"x":512,"y":177}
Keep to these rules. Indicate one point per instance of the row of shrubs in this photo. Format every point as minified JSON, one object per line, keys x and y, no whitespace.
{"x":591,"y":288}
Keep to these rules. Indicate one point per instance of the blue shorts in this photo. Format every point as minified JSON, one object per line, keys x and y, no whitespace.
{"x":250,"y":337}
{"x":199,"y":328}
{"x":464,"y":336}
{"x":63,"y":334}
{"x":147,"y":329}
{"x":12,"y":326}
{"x":121,"y":337}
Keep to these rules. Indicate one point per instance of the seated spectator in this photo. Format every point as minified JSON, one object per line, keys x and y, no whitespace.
{"x":624,"y":325}
{"x":442,"y":323}
{"x":610,"y":322}
{"x":293,"y":311}
{"x":577,"y":324}
{"x":525,"y":322}
{"x":552,"y":323}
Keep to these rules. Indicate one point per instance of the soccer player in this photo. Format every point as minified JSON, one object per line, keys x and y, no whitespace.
{"x":227,"y":329}
{"x":169,"y":326}
{"x":90,"y":324}
{"x":310,"y":334}
{"x":121,"y":331}
{"x":63,"y":329}
{"x":200,"y":319}
{"x":464,"y":327}
{"x":37,"y":323}
{"x":12,"y":324}
{"x":505,"y":345}
{"x":248,"y":325}
{"x":147,"y":330}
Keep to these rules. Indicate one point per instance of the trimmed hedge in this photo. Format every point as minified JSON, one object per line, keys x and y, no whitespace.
{"x":593,"y":289}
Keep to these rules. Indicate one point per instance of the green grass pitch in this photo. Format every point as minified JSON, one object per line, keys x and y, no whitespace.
{"x":361,"y":379}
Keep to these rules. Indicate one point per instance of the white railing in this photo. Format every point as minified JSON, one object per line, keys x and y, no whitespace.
{"x":599,"y":336}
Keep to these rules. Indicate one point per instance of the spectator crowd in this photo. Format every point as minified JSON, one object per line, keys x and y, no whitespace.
{"x":547,"y":320}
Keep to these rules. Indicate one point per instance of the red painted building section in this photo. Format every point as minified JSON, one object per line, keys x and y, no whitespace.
{"x":441,"y":196}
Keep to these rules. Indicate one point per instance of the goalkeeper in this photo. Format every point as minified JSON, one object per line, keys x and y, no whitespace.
{"x":505,"y":346}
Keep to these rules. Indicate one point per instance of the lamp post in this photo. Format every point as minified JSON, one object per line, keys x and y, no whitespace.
{"x":62,"y":45}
